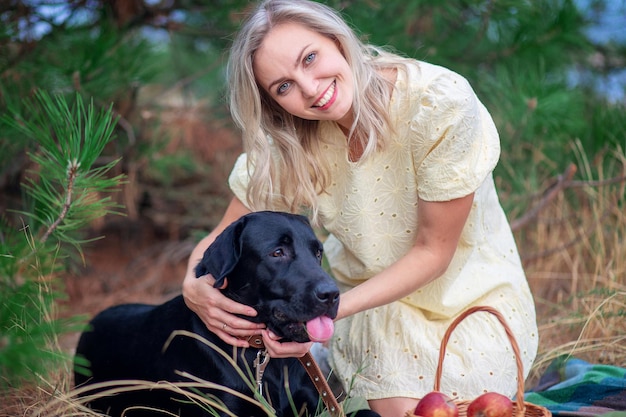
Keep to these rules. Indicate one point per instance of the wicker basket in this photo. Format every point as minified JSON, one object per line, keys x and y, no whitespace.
{"x":520,"y":408}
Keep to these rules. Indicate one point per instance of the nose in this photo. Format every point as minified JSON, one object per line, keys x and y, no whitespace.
{"x":309,"y":87}
{"x":327,"y":293}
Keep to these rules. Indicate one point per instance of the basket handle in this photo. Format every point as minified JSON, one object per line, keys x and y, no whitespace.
{"x":520,"y":367}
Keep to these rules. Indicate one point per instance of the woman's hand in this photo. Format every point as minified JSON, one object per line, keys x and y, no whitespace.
{"x":217,"y":311}
{"x":277,"y":349}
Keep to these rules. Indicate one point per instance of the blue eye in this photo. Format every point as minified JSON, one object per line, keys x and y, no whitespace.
{"x":310,"y":58}
{"x":282,"y":88}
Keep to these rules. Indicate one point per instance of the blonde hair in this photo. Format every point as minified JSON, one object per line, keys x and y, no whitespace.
{"x":285,"y":154}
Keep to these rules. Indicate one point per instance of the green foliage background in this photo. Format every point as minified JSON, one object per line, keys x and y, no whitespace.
{"x":58,"y":202}
{"x":123,"y":57}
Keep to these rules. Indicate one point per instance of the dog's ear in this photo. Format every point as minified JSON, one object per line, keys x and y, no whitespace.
{"x":221,"y":257}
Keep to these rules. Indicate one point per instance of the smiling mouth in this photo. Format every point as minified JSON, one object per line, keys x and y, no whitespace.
{"x":328,"y":95}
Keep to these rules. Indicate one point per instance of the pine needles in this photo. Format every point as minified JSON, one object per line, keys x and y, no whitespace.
{"x":64,"y":193}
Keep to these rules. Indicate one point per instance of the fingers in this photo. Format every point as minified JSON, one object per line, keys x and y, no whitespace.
{"x":277,"y":349}
{"x":219,"y":313}
{"x":230,"y":328}
{"x":231,"y":306}
{"x":239,"y":341}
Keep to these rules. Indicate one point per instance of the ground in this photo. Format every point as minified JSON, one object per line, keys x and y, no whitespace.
{"x":125,"y":267}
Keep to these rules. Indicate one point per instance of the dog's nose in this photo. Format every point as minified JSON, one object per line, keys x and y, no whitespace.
{"x":327,"y":293}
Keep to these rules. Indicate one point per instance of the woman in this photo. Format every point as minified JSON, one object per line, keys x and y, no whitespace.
{"x":394,"y":158}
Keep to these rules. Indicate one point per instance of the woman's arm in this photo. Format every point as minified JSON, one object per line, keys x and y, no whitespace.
{"x":439,"y":229}
{"x":213,"y":308}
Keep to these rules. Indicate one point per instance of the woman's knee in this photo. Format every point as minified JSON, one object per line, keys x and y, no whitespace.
{"x":393,"y":407}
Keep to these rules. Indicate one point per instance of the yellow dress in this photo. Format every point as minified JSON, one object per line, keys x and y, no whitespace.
{"x":445,"y":146}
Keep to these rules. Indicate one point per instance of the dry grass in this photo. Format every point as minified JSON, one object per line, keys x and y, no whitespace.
{"x":62,"y":400}
{"x":574,"y":253}
{"x":575,"y":257}
{"x":54,"y":395}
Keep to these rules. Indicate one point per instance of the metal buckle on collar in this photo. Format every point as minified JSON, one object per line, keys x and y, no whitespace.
{"x":260,"y":363}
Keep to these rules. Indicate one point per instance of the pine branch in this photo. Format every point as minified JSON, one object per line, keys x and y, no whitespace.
{"x":563,"y":182}
{"x":69,"y":139}
{"x":568,"y":244}
{"x":549,"y":195}
{"x":71,"y":178}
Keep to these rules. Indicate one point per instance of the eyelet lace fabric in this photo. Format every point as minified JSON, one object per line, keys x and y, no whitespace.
{"x":445,"y":146}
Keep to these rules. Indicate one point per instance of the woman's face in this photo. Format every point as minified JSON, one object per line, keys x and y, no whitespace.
{"x":305,"y":73}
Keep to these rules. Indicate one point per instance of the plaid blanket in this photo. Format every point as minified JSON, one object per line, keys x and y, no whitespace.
{"x":573,"y":387}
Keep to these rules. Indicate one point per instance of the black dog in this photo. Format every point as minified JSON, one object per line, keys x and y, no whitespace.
{"x":273,"y":263}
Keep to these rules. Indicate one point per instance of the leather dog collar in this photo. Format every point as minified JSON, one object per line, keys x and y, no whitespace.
{"x":256,"y":341}
{"x":314,"y":372}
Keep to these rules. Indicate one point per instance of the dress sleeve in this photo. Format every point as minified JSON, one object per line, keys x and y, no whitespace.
{"x":239,"y":179}
{"x":455,"y":141}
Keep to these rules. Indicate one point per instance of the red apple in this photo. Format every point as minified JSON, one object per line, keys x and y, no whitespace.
{"x":436,"y":404}
{"x":491,"y":404}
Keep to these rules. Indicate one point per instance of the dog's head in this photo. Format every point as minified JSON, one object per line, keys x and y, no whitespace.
{"x":272,"y":262}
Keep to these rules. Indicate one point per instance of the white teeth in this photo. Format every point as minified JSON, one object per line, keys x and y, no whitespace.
{"x":329,"y":93}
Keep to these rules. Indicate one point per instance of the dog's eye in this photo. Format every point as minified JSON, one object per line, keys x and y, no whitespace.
{"x":278,"y":253}
{"x":318,"y":254}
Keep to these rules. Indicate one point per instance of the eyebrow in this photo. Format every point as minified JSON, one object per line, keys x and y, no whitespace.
{"x":295,"y":65}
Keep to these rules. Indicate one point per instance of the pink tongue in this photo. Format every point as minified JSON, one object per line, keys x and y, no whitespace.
{"x":320,"y":329}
